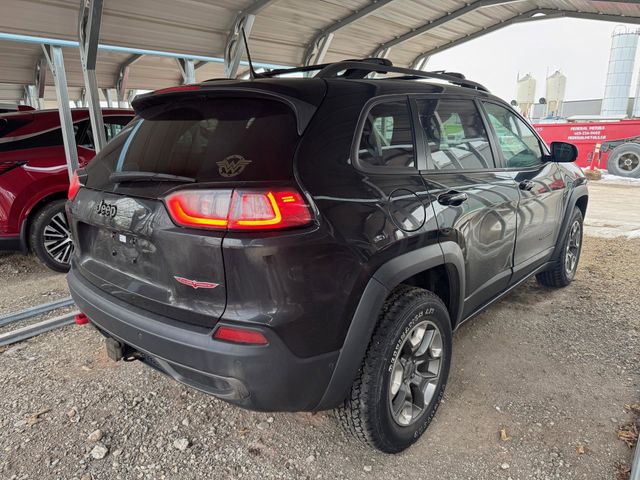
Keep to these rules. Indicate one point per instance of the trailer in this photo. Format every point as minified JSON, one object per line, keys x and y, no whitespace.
{"x":618,"y":143}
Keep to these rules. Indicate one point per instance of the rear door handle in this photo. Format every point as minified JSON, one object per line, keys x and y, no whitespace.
{"x":526,"y":185}
{"x":452,"y":198}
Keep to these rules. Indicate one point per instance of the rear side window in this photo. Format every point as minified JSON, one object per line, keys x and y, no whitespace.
{"x":8,"y":125}
{"x":112,"y":127}
{"x":455,"y":135}
{"x":49,"y":138}
{"x":209,"y":139}
{"x":520,"y":146}
{"x":387,"y":137}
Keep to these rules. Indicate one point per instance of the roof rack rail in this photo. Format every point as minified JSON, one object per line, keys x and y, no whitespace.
{"x":320,"y":66}
{"x":357,"y":69}
{"x":361,"y":70}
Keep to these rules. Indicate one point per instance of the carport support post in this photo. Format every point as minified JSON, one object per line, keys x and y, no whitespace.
{"x":420,"y":62}
{"x":106,"y":93}
{"x":235,"y":46}
{"x":88,"y":33}
{"x":40,"y":77}
{"x":31,"y":96}
{"x":319,"y":50}
{"x":187,"y":70}
{"x":123,"y":79}
{"x":56,"y":64}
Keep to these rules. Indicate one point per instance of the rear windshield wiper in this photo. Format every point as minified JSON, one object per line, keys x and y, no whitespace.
{"x":134,"y":176}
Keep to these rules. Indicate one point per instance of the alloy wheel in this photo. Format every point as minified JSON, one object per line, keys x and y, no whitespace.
{"x":57,"y":239}
{"x":573,"y":248}
{"x":415,"y":373}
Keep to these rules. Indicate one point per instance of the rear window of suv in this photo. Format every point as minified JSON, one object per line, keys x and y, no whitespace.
{"x":209,"y":139}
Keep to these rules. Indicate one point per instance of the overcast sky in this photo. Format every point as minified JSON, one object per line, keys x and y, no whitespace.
{"x":578,"y":48}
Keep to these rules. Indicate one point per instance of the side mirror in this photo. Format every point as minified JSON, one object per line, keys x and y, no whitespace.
{"x":563,"y":152}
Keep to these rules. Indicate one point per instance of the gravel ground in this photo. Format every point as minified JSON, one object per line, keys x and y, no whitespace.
{"x":25,"y":283}
{"x":554,"y":369}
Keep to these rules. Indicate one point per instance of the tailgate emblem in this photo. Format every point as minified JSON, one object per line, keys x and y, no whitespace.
{"x":232,"y":165}
{"x":106,"y":209}
{"x":195,"y":284}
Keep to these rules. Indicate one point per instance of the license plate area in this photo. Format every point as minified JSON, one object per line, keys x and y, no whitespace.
{"x":124,"y":247}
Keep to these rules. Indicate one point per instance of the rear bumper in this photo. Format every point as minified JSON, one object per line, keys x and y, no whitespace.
{"x":266,"y":378}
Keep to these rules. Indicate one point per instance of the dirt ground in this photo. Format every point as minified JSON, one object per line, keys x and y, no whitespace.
{"x":613,"y":208}
{"x":554,"y":369}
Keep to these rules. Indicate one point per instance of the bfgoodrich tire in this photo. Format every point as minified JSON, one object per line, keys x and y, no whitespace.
{"x":50,"y":238}
{"x":624,"y":160}
{"x":565,"y":266}
{"x":404,"y":372}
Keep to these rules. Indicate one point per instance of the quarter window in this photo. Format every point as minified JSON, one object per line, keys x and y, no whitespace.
{"x":387,"y":137}
{"x":520,"y":146}
{"x":455,"y":135}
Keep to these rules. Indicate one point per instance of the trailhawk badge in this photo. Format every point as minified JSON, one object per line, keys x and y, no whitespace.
{"x":195,"y":284}
{"x":232,"y":165}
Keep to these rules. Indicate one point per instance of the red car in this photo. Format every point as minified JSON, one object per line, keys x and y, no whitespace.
{"x":34,"y":179}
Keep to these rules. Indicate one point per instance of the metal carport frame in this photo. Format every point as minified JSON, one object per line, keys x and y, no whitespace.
{"x":281,"y":31}
{"x":55,"y":60}
{"x":88,"y":34}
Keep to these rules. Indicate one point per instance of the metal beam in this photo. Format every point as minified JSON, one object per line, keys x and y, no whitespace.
{"x":88,"y":33}
{"x":31,"y":96}
{"x":56,"y":64}
{"x":187,"y":70}
{"x":317,"y":48}
{"x":24,"y":333}
{"x":14,"y":37}
{"x":531,"y":16}
{"x":420,"y":62}
{"x":106,"y":93}
{"x":449,"y":16}
{"x":123,"y":77}
{"x":132,"y":95}
{"x":235,"y":46}
{"x":317,"y":54}
{"x":35,"y":311}
{"x":40,"y":80}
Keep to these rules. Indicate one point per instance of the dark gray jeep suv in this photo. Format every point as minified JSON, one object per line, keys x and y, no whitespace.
{"x":311,"y":243}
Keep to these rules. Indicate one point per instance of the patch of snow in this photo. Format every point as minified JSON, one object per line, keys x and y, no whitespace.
{"x":615,"y":179}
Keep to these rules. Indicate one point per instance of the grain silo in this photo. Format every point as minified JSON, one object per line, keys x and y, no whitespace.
{"x":556,"y":87}
{"x":624,"y":43}
{"x":526,"y":93}
{"x":636,"y":103}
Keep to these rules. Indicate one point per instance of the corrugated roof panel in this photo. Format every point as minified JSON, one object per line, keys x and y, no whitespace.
{"x":281,"y":33}
{"x":18,"y":62}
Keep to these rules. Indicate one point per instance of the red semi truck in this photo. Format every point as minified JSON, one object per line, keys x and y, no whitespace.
{"x":619,"y":140}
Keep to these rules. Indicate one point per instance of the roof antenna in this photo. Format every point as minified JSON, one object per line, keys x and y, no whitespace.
{"x":252,"y":72}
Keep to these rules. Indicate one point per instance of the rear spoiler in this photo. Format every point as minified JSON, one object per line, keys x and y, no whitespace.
{"x":303,"y":111}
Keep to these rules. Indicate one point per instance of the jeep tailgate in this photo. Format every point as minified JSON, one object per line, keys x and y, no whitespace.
{"x":127,"y":243}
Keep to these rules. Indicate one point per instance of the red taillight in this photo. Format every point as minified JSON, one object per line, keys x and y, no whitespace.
{"x":251,"y":210}
{"x":74,"y":186}
{"x":239,"y":209}
{"x":240,"y":335}
{"x":200,"y":208}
